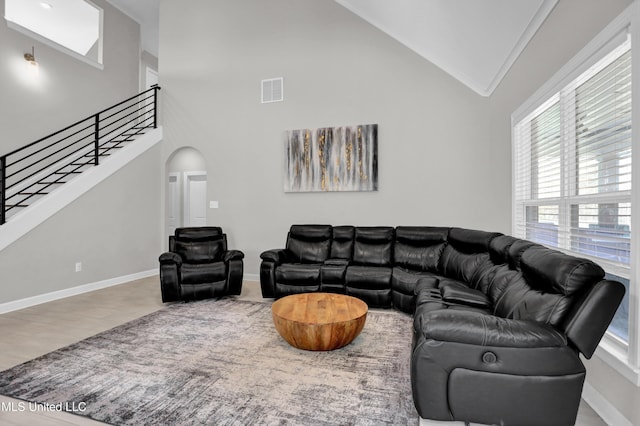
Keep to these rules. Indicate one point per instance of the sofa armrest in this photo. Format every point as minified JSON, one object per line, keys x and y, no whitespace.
{"x":487,"y":330}
{"x":458,"y":293}
{"x":170,"y":264}
{"x":233,"y":255}
{"x":589,"y":320}
{"x":170,"y":258}
{"x":278,"y":256}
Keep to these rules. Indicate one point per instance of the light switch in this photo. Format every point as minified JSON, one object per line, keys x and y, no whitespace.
{"x":213,"y":204}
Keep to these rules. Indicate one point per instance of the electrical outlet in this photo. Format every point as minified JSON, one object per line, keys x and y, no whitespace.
{"x":78,"y":266}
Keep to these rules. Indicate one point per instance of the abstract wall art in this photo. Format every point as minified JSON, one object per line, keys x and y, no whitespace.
{"x":331,"y":159}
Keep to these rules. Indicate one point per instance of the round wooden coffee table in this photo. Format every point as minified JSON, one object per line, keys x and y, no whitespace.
{"x":319,"y":321}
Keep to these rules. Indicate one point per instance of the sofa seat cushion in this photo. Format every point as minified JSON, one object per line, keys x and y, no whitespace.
{"x":403,"y":287}
{"x":202,"y":273}
{"x":298,"y":273}
{"x":429,"y":298}
{"x":368,"y":277}
{"x":426,"y":304}
{"x":282,"y":290}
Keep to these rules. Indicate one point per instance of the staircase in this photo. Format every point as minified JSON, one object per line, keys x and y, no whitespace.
{"x":32,"y":172}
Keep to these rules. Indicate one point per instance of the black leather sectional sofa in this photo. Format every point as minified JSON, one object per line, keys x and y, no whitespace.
{"x":499,"y":322}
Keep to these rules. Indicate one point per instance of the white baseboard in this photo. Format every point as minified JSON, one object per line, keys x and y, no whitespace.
{"x":251,"y":277}
{"x":73,"y":291}
{"x":607,"y":411}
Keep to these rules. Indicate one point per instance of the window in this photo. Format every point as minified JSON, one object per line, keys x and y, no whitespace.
{"x":71,"y":26}
{"x":572,"y":170}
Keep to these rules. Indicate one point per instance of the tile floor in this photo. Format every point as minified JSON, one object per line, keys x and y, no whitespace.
{"x":35,"y":331}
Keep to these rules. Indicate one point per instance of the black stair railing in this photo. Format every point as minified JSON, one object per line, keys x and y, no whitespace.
{"x":39,"y":167}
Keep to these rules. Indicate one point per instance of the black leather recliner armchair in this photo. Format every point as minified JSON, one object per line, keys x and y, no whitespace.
{"x":199,"y":266}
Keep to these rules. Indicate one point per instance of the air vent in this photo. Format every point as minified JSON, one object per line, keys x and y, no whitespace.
{"x":272,"y":90}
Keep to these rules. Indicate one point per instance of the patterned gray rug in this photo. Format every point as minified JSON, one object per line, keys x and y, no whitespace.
{"x":222,"y":362}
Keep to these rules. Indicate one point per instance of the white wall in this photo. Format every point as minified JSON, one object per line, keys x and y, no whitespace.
{"x":146,"y":60}
{"x":114,"y":230}
{"x":338,"y":70}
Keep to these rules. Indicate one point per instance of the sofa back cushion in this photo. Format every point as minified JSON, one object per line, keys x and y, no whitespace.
{"x":197,"y":245}
{"x":466,"y":251}
{"x":419,"y":247}
{"x":309,"y":243}
{"x":552,"y":271}
{"x":516,"y":250}
{"x":544,"y":285}
{"x":342,"y":244}
{"x":499,"y":249}
{"x":514,"y":298}
{"x":373,"y":246}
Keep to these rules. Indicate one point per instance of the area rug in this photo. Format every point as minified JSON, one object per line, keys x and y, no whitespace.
{"x":222,"y":362}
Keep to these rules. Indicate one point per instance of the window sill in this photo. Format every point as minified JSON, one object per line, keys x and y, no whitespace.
{"x":618,"y":360}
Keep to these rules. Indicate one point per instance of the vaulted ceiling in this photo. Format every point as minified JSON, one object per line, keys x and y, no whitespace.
{"x":475,"y":41}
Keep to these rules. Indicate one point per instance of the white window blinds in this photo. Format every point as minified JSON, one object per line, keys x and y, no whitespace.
{"x":572,"y":165}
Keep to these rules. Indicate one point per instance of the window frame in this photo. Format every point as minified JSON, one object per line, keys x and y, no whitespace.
{"x":621,"y":356}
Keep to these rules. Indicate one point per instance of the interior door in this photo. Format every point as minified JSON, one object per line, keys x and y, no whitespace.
{"x":173,"y":203}
{"x":195,"y":199}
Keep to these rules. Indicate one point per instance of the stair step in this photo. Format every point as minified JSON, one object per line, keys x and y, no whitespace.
{"x":11,"y":206}
{"x":73,"y":172}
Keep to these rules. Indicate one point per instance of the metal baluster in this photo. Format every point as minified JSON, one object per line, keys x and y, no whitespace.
{"x":155,"y":106}
{"x":3,"y":189}
{"x":97,"y":139}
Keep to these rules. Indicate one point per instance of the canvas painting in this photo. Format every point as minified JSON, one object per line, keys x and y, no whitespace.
{"x":332,"y":159}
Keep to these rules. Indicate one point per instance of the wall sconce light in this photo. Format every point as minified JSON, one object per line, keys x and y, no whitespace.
{"x":31,"y":57}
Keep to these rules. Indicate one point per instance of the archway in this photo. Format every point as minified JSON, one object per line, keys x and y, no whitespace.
{"x":186,"y":189}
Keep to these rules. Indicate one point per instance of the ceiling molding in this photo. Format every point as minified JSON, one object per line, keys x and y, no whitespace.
{"x":469,"y":76}
{"x":527,"y":35}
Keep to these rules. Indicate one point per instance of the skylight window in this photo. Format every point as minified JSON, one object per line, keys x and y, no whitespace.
{"x":72,"y":25}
